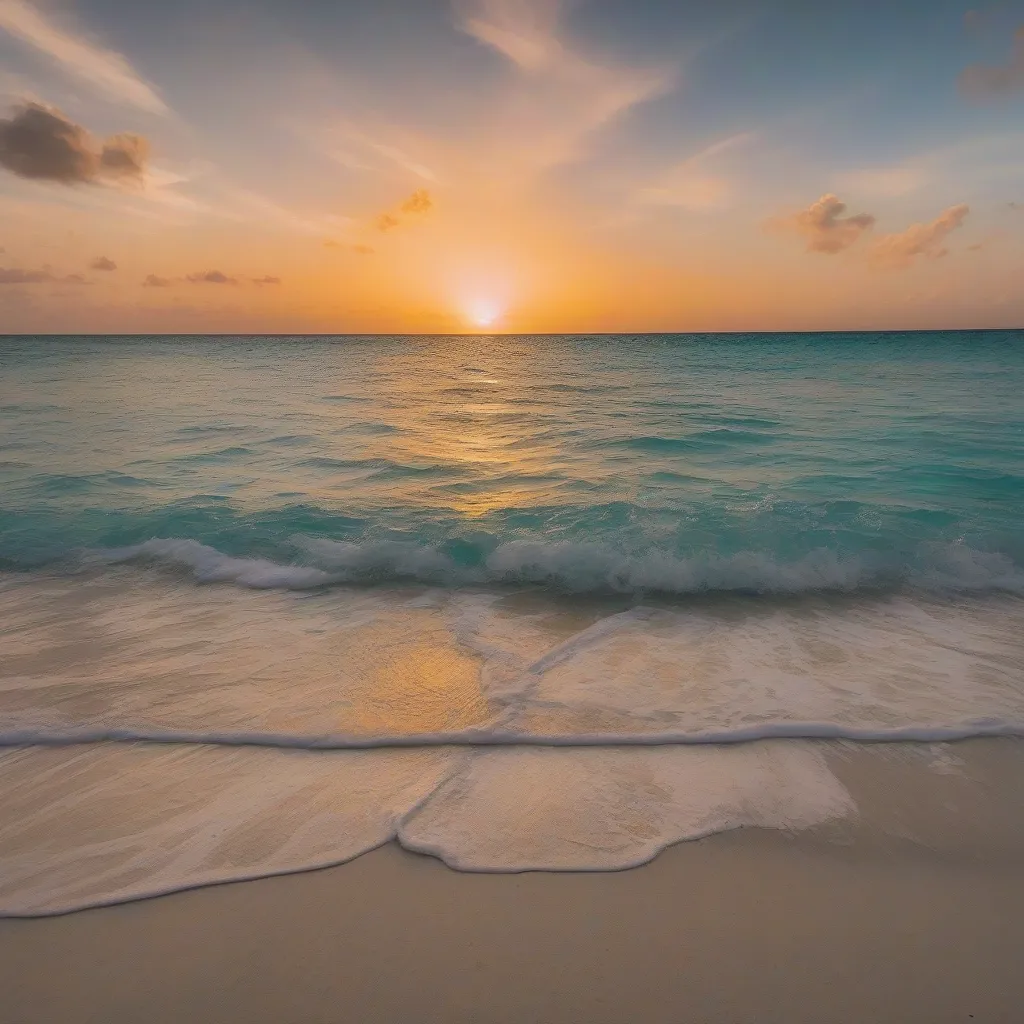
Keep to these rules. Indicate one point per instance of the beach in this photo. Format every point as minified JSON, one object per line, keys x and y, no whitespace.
{"x":749,"y":926}
{"x":404,"y":679}
{"x":912,"y":912}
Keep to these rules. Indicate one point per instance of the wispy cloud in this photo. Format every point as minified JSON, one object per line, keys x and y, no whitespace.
{"x":690,"y":185}
{"x":155,"y":281}
{"x":358,"y":150}
{"x":565,"y":96}
{"x":103,"y":263}
{"x":251,"y":203}
{"x":920,"y":240}
{"x":524,"y":31}
{"x":823,"y":226}
{"x":984,"y":81}
{"x":109,"y":72}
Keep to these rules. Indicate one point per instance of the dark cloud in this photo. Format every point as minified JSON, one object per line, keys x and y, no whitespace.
{"x":41,"y":143}
{"x":14,"y":275}
{"x":824,"y":228}
{"x":102,"y":263}
{"x":124,"y":156}
{"x":153,"y":281}
{"x":266,"y":280}
{"x":921,"y":239}
{"x":418,"y":202}
{"x":211,"y":277}
{"x":983,"y":81}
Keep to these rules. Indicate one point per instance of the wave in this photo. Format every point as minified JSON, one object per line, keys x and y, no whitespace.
{"x":579,"y":567}
{"x":485,"y":737}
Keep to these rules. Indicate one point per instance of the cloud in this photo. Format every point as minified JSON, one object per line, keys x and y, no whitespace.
{"x":210,"y":277}
{"x":524,"y":31}
{"x":419,"y":202}
{"x":14,"y":275}
{"x":41,"y":143}
{"x":205,"y":277}
{"x":689,"y":186}
{"x":368,"y":148}
{"x":925,"y":240}
{"x":250,"y":204}
{"x":102,"y":263}
{"x":983,"y":81}
{"x":563,"y":96}
{"x":823,"y":226}
{"x":364,"y":250}
{"x":124,"y":156}
{"x":108,"y":71}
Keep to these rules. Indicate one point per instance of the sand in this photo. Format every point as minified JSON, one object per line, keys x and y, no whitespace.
{"x":750,"y":926}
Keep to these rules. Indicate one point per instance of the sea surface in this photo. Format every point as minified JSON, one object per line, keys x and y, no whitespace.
{"x":519,"y":602}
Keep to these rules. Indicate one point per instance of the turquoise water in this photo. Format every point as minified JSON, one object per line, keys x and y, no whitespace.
{"x":515,"y":602}
{"x":668,"y":463}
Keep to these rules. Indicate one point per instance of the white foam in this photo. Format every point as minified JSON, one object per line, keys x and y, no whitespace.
{"x":100,"y":825}
{"x":488,"y":737}
{"x":585,"y":567}
{"x":599,"y":810}
{"x":353,"y":669}
{"x":211,"y":566}
{"x":875,"y":668}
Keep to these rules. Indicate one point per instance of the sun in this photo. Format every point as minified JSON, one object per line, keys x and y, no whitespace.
{"x":482,"y":312}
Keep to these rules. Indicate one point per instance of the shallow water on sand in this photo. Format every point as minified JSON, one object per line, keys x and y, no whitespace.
{"x":519,"y":603}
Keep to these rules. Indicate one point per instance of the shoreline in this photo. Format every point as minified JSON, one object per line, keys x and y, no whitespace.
{"x":752,"y":925}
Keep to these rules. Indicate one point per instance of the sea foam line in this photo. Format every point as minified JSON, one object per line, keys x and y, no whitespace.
{"x":506,"y":738}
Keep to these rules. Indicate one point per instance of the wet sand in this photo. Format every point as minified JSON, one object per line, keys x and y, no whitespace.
{"x":750,"y":926}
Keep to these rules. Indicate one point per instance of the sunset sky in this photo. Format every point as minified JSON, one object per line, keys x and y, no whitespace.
{"x":510,"y":165}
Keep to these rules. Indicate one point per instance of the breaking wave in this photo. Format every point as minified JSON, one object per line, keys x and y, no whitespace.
{"x":577,"y":567}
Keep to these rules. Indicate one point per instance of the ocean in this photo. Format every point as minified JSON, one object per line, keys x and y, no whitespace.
{"x":520,"y":603}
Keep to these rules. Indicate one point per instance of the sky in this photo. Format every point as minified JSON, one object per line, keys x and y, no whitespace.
{"x":438,"y":166}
